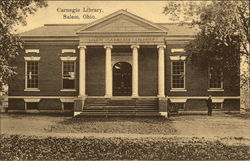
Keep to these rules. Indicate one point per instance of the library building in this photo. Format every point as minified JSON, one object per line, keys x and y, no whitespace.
{"x":121,"y":64}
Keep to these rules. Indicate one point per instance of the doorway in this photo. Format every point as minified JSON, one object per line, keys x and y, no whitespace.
{"x":122,"y":79}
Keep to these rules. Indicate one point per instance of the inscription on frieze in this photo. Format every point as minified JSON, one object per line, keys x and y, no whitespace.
{"x":121,"y":40}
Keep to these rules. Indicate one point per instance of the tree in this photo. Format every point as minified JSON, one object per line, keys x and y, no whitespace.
{"x":224,"y":34}
{"x":223,"y":31}
{"x":13,"y":13}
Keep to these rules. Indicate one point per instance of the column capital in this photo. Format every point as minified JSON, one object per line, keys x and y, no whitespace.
{"x":108,"y":46}
{"x":161,"y":46}
{"x":82,"y":46}
{"x":135,"y":46}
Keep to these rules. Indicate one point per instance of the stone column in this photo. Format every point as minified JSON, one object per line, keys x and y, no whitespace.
{"x":82,"y":71}
{"x":161,"y":71}
{"x":108,"y":78}
{"x":135,"y":71}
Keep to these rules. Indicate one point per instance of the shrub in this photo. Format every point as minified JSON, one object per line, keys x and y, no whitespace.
{"x":16,"y":147}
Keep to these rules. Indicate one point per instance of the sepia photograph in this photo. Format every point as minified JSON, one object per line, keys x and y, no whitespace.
{"x":124,"y":80}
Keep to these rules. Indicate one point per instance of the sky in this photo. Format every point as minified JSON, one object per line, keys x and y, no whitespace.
{"x":150,"y":10}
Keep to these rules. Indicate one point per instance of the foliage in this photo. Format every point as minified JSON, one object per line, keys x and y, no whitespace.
{"x":17,"y":147}
{"x":223,"y":31}
{"x":13,"y":13}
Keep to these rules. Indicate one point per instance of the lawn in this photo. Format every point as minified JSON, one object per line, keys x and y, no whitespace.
{"x":124,"y":125}
{"x":191,"y":137}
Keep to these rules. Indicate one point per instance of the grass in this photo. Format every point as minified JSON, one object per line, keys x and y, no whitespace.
{"x":127,"y":125}
{"x":16,"y":147}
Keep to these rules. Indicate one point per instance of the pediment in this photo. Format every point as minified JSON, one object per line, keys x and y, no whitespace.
{"x":122,"y":21}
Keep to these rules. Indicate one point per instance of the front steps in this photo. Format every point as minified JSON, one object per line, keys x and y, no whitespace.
{"x":121,"y":107}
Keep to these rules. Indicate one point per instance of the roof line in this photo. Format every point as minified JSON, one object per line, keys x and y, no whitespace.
{"x":65,"y":24}
{"x":117,"y":13}
{"x":77,"y":24}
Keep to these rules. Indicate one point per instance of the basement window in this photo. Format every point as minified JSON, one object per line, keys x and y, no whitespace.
{"x":217,"y":106}
{"x":179,"y":106}
{"x":32,"y":105}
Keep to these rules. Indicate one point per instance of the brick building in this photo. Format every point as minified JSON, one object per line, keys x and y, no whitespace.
{"x":119,"y":64}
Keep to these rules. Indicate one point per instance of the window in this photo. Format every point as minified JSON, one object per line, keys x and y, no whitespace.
{"x":178,"y":74}
{"x":179,"y":106}
{"x":217,"y":106}
{"x":68,"y":105}
{"x":215,"y":77}
{"x":32,"y":105}
{"x":31,"y":74}
{"x":174,"y":107}
{"x":68,"y":75}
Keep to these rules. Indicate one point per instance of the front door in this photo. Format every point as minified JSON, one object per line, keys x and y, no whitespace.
{"x":122,"y":79}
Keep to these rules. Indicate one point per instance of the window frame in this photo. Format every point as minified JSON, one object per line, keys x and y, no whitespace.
{"x":27,"y":75}
{"x":183,"y":103}
{"x":184,"y":79}
{"x":32,"y":109}
{"x":217,"y":109}
{"x":221,"y":88}
{"x":69,"y":89}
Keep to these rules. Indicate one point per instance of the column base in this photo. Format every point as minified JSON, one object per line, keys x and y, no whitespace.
{"x":78,"y":105}
{"x":165,"y":114}
{"x":161,"y":96}
{"x":108,"y":96}
{"x":135,"y":95}
{"x":82,"y":96}
{"x":76,"y":113}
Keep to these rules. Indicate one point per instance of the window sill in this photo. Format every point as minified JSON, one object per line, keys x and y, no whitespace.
{"x":32,"y":89}
{"x":178,"y":90}
{"x":215,"y":90}
{"x":68,"y":90}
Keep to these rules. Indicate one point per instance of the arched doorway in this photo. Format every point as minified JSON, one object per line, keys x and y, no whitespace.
{"x":122,"y":79}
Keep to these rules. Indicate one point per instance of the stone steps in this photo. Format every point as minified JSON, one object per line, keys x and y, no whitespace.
{"x":120,"y":107}
{"x":122,"y":113}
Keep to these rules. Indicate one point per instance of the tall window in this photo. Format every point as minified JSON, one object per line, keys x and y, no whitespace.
{"x":178,"y":74}
{"x":215,"y":77}
{"x":68,"y":75}
{"x":31,"y":74}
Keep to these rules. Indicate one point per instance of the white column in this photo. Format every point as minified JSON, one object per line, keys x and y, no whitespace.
{"x":161,"y":71}
{"x":108,"y":77}
{"x":82,"y":71}
{"x":135,"y":71}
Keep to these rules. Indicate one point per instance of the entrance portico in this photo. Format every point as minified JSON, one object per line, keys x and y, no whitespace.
{"x":122,"y":29}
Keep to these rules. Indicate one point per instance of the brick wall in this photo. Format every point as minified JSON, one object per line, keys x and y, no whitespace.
{"x":16,"y":104}
{"x":50,"y":77}
{"x":50,"y":71}
{"x":95,"y":67}
{"x":147,"y":72}
{"x":50,"y":104}
{"x":197,"y":79}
